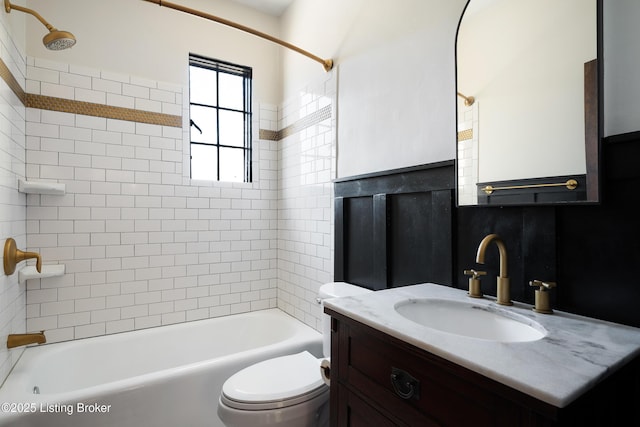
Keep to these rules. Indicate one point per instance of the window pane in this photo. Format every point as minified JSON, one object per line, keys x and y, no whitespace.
{"x":220,"y":114}
{"x":202,"y":86}
{"x":231,"y":91}
{"x":205,"y":119}
{"x":231,"y":128}
{"x":231,"y":164}
{"x":204,"y":162}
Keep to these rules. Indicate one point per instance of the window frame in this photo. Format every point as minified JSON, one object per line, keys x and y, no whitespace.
{"x":218,"y":66}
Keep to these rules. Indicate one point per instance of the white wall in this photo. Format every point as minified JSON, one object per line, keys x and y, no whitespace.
{"x":395,"y":64}
{"x":12,"y":203}
{"x":396,"y":76}
{"x":139,"y":38}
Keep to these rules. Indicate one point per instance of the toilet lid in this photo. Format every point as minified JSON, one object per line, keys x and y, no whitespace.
{"x":275,"y":380}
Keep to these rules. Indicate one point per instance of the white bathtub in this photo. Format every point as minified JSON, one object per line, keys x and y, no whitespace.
{"x":169,"y":376}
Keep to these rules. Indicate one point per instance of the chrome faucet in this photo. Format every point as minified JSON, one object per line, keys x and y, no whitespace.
{"x":17,"y":340}
{"x":503,"y":290}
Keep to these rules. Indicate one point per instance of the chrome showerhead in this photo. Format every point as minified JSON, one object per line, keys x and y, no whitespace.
{"x":58,"y":40}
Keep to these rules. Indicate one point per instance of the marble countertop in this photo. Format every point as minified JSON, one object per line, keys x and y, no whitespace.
{"x":576,"y":353}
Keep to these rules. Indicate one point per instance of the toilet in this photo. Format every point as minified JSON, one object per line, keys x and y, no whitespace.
{"x":286,"y":391}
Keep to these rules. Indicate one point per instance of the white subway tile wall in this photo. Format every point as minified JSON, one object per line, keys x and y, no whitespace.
{"x":305,"y":201}
{"x":146,"y":246}
{"x":468,"y":119}
{"x":12,"y":203}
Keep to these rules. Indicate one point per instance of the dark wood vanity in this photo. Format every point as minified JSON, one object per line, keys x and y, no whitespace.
{"x":436,"y":392}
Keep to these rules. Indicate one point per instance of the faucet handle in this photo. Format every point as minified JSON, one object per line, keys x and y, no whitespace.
{"x":474,"y":282}
{"x":542,"y":304}
{"x":544,"y":286}
{"x":474,"y":274}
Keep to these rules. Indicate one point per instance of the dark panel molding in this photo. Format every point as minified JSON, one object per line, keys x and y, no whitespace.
{"x":394,"y":228}
{"x":381,"y":217}
{"x":599,"y":246}
{"x":434,"y":176}
{"x":401,"y":227}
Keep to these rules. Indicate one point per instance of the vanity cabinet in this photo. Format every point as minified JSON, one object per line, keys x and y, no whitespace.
{"x":437,"y":392}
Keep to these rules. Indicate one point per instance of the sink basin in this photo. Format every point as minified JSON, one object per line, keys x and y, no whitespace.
{"x":470,"y":320}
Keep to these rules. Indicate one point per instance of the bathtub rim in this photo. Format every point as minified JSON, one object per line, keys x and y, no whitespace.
{"x":13,"y":388}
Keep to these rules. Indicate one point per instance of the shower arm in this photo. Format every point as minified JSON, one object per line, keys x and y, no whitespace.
{"x":8,"y":6}
{"x":326,"y":63}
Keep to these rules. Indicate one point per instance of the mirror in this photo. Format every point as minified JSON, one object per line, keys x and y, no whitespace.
{"x":528,"y":106}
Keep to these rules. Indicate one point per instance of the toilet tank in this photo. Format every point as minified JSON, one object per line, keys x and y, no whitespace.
{"x":334,"y":290}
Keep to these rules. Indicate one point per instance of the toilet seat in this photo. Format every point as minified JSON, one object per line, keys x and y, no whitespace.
{"x":275,"y":383}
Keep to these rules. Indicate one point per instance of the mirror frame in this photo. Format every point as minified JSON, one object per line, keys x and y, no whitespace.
{"x":594,"y":128}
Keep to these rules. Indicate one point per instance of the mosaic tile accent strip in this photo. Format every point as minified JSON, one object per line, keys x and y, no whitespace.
{"x":464,"y":135}
{"x":312,"y":119}
{"x":11,"y":81}
{"x":307,"y":121}
{"x":111,"y":112}
{"x":269,"y":135}
{"x":100,"y":110}
{"x":85,"y":108}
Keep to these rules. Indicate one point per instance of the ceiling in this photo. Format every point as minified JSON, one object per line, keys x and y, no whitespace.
{"x":272,"y":7}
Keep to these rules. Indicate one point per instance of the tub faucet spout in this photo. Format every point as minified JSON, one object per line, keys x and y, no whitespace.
{"x":17,"y":340}
{"x":503,"y":290}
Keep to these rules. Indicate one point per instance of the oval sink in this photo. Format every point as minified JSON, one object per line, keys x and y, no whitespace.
{"x":470,"y":320}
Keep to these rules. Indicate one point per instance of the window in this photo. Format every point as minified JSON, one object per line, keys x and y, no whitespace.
{"x":220,"y":114}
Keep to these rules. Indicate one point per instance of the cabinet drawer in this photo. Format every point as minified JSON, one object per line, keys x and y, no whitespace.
{"x":358,"y":413}
{"x":439,"y":395}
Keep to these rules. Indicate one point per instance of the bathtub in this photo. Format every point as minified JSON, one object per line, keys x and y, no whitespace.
{"x":169,"y":376}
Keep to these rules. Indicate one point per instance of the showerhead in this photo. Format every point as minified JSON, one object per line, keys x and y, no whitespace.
{"x":58,"y":40}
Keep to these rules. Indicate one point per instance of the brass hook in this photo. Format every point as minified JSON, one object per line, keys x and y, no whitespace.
{"x":13,"y":255}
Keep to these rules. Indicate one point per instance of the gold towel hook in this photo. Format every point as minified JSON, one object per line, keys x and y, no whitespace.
{"x":13,"y":255}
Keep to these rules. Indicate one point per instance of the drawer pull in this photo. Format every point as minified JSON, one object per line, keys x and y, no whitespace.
{"x":405,"y":386}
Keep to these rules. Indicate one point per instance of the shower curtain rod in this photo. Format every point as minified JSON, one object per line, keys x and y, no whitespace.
{"x":326,"y":63}
{"x":468,"y":100}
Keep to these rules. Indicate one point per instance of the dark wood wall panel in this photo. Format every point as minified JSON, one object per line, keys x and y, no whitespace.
{"x":599,"y":246}
{"x":359,"y":241}
{"x":420,"y":236}
{"x":527,"y":232}
{"x":401,"y":227}
{"x":395,"y":229}
{"x":410,"y":235}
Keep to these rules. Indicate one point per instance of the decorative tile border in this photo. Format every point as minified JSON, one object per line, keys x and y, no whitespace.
{"x":99,"y":110}
{"x":312,"y":119}
{"x":51,"y":103}
{"x":465,"y":135}
{"x":269,"y":135}
{"x":11,"y":81}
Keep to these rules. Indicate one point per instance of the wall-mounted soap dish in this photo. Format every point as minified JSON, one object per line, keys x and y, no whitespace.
{"x":41,"y":187}
{"x":30,"y":272}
